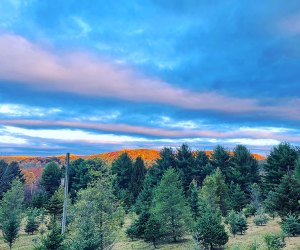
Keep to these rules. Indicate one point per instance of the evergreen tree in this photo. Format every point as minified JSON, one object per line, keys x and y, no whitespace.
{"x":237,"y":222}
{"x":170,"y":206}
{"x":8,"y":172}
{"x":194,"y":200}
{"x":32,"y":224}
{"x":202,"y":167}
{"x":244,"y":168}
{"x":274,"y":241}
{"x":215,"y":191}
{"x":231,"y":220}
{"x":55,"y":204}
{"x":137,"y":178}
{"x":164,"y":162}
{"x":286,"y":196}
{"x":122,"y":169}
{"x":53,"y":239}
{"x":280,"y":162}
{"x":209,"y":230}
{"x":220,"y":158}
{"x":144,"y":199}
{"x":82,"y":172}
{"x":98,"y":217}
{"x":297,"y":169}
{"x":51,"y":178}
{"x":260,"y":218}
{"x":185,"y":164}
{"x":153,"y":231}
{"x":291,"y":225}
{"x":237,"y":198}
{"x":11,"y":207}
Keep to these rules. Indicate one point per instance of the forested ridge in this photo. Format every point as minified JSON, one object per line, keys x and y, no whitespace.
{"x":184,"y":195}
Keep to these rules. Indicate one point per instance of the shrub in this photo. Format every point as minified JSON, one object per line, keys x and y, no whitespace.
{"x":291,"y":225}
{"x":260,"y":219}
{"x":274,"y":241}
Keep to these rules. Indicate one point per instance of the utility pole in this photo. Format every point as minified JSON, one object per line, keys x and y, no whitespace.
{"x":66,"y":181}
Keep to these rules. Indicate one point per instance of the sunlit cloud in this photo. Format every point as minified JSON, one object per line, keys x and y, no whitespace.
{"x":84,"y":74}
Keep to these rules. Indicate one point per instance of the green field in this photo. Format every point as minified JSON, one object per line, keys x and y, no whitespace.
{"x":254,"y":233}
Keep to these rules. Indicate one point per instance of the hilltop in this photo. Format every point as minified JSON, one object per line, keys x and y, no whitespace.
{"x":149,"y":156}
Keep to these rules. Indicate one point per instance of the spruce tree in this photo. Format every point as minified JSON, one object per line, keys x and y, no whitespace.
{"x":8,"y":172}
{"x":237,"y":198}
{"x":297,"y":169}
{"x":32,"y":224}
{"x":137,"y":178}
{"x":170,"y":207}
{"x":153,"y":231}
{"x":215,"y":191}
{"x":122,"y":169}
{"x":209,"y":230}
{"x":11,"y":207}
{"x":280,"y":162}
{"x":220,"y":158}
{"x":291,"y":225}
{"x":185,"y":163}
{"x":54,"y":206}
{"x":98,"y":217}
{"x":286,"y":196}
{"x":194,"y":200}
{"x":244,"y":168}
{"x":51,"y":178}
{"x":202,"y":167}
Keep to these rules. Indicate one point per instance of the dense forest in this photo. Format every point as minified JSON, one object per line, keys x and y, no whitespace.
{"x":184,"y":195}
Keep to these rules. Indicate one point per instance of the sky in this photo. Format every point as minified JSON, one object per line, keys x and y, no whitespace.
{"x":96,"y":76}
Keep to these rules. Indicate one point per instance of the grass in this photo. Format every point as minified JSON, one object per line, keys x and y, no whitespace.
{"x":241,"y":242}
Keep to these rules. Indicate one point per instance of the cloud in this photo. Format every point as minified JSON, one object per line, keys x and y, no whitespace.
{"x":17,"y":110}
{"x":243,"y":133}
{"x":84,"y":74}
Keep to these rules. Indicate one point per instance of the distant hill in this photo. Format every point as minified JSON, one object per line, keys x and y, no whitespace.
{"x":149,"y":156}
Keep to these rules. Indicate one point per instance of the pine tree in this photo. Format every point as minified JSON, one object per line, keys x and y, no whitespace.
{"x":170,"y":206}
{"x":122,"y":169}
{"x":209,"y":230}
{"x":244,"y":168}
{"x":185,"y":163}
{"x":215,"y":191}
{"x":280,"y":162}
{"x":194,"y":200}
{"x":237,"y":198}
{"x":291,"y":225}
{"x":137,"y":178}
{"x":144,"y":199}
{"x":98,"y":217}
{"x":237,"y":222}
{"x":32,"y":223}
{"x":51,"y":177}
{"x":8,"y":172}
{"x":11,"y":207}
{"x":55,"y":204}
{"x":220,"y":158}
{"x":202,"y":167}
{"x":297,"y":169}
{"x":286,"y":196}
{"x":153,"y":231}
{"x":53,"y":239}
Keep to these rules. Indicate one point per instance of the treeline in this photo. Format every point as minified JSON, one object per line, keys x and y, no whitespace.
{"x":183,"y":193}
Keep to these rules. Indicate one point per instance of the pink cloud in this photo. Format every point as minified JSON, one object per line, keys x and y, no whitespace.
{"x":159,"y":132}
{"x":85,"y":74}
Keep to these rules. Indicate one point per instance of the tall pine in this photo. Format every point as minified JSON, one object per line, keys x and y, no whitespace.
{"x":281,"y":161}
{"x":170,"y":207}
{"x":137,"y":178}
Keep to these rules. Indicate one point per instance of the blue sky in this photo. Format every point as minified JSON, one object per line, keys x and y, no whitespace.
{"x":95,"y":76}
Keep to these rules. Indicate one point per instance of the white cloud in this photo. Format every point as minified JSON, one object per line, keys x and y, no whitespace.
{"x":17,"y":110}
{"x":7,"y":139}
